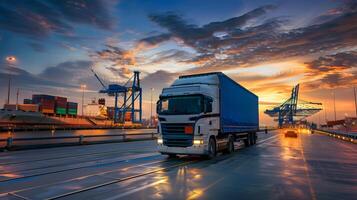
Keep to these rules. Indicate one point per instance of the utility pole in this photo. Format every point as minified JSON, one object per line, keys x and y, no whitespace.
{"x":83,"y":87}
{"x":334,"y":104}
{"x":8,"y":89}
{"x":354,"y":91}
{"x":17,"y":98}
{"x":152,"y":89}
{"x":324,"y":107}
{"x":10,"y":60}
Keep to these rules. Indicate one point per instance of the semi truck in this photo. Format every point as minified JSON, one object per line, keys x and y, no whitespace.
{"x":203,"y":114}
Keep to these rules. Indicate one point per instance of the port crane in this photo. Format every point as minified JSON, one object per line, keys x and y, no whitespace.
{"x":131,"y":95}
{"x":293,"y":109}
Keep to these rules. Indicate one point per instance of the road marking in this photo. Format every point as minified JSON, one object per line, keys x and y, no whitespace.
{"x":136,"y":190}
{"x":270,"y":138}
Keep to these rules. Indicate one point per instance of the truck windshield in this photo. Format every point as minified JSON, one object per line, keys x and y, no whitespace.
{"x":181,"y":105}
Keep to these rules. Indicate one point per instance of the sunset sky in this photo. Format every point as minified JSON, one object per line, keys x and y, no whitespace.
{"x":266,"y":46}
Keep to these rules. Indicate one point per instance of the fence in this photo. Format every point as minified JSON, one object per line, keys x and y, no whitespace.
{"x":10,"y":143}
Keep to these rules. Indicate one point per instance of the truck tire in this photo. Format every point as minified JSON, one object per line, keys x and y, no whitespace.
{"x":255,"y":137}
{"x":212,"y":148}
{"x":246,"y":141}
{"x":230,"y":146}
{"x":251,"y":139}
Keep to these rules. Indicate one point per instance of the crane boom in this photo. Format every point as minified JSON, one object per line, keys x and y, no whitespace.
{"x":100,"y":81}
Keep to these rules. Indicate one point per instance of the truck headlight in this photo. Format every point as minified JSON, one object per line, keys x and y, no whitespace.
{"x":197,"y":142}
{"x":159,"y":141}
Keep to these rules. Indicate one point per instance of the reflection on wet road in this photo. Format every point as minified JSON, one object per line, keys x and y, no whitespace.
{"x":310,"y":166}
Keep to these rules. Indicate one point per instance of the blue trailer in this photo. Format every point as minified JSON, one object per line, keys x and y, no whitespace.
{"x":238,"y":107}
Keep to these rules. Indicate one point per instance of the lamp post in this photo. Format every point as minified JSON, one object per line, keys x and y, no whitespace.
{"x":354,"y":92}
{"x":9,"y":60}
{"x":334,"y":104}
{"x":152,"y":90}
{"x":83,"y":87}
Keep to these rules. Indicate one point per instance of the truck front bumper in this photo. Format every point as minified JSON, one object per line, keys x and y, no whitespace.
{"x":192,"y":150}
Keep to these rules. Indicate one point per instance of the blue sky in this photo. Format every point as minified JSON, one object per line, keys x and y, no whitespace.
{"x":267,"y":46}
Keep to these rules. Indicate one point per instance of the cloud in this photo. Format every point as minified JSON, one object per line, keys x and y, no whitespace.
{"x":40,"y":18}
{"x":116,"y":55}
{"x":68,"y":72}
{"x":336,"y":62}
{"x":336,"y":70}
{"x":37,"y":47}
{"x":158,"y":80}
{"x":242,"y":44}
{"x":190,"y":33}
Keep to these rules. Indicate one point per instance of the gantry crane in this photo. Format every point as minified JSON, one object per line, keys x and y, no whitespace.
{"x":130,"y":95}
{"x":293,"y":109}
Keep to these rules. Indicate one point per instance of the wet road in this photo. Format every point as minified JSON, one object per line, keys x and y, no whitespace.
{"x":307,"y":167}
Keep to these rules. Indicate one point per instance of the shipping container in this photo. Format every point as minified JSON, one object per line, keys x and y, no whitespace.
{"x":47,"y":110}
{"x":37,"y":98}
{"x":27,"y":101}
{"x":46,"y":103}
{"x":10,"y":106}
{"x":72,"y":111}
{"x":72,"y":108}
{"x":61,"y":111}
{"x":28,"y":107}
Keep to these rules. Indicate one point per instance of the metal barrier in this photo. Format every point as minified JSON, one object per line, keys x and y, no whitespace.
{"x":81,"y":138}
{"x":343,"y":136}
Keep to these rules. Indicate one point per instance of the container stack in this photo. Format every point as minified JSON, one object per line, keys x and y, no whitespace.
{"x":46,"y":103}
{"x":61,"y":105}
{"x":72,"y":108}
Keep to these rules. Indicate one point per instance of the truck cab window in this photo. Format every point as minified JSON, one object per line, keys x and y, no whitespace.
{"x":180,"y":105}
{"x":208,"y":104}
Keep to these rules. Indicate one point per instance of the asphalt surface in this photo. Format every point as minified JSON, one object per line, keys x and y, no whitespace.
{"x":308,"y":167}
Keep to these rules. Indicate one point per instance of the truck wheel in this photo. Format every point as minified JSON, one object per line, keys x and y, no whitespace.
{"x":246,"y":141}
{"x":251,"y":138}
{"x":230,"y":145}
{"x":212,"y":150}
{"x":255,"y":137}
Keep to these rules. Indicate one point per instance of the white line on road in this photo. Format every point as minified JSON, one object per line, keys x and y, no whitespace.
{"x":135,"y":190}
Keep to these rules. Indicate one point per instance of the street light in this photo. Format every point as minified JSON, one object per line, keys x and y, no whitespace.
{"x":152,"y":90}
{"x":354,"y":92}
{"x":9,"y":60}
{"x":83,"y":87}
{"x":334,"y":103}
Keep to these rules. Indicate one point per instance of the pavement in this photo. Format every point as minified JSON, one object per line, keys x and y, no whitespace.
{"x":311,"y":166}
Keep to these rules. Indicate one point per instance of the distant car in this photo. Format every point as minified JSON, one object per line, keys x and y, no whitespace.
{"x":291,"y":133}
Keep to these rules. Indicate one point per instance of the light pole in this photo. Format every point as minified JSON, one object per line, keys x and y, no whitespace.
{"x":152,"y":90}
{"x":354,"y":91}
{"x":9,"y":60}
{"x":334,"y":104}
{"x":83,"y":87}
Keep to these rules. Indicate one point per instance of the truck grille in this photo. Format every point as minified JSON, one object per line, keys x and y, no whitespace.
{"x":174,"y":135}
